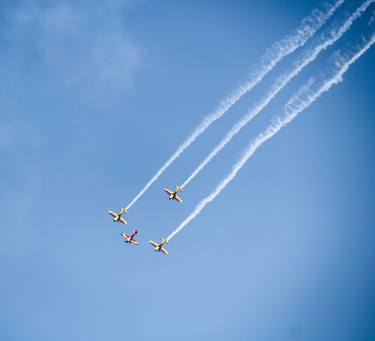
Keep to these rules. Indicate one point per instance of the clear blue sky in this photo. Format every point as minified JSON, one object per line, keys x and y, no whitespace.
{"x":95,"y":96}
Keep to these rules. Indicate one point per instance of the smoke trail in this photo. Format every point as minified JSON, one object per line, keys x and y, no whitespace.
{"x":308,"y":57}
{"x":298,"y":103}
{"x":273,"y":56}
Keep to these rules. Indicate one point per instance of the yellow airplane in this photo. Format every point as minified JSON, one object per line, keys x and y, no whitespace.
{"x":159,"y":247}
{"x":117,"y":217}
{"x":173,"y":195}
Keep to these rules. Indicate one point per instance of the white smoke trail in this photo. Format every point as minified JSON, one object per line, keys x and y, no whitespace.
{"x":273,"y":56}
{"x":307,"y":58}
{"x":298,"y":103}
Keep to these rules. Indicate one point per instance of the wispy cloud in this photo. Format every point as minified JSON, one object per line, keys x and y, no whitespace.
{"x":80,"y":48}
{"x":50,"y":52}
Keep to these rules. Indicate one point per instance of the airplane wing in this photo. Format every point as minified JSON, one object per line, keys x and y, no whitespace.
{"x":166,"y":190}
{"x":153,"y":243}
{"x":178,"y":199}
{"x":123,"y":220}
{"x":113,"y":214}
{"x":133,"y":241}
{"x":164,"y":251}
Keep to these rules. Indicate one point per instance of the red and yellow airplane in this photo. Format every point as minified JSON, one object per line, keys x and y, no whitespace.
{"x":118,"y":217}
{"x":130,"y":239}
{"x":159,"y":247}
{"x":173,"y":195}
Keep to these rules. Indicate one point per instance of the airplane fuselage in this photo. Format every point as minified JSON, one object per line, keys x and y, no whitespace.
{"x":118,"y":216}
{"x":130,"y":239}
{"x":158,"y":248}
{"x":173,"y":196}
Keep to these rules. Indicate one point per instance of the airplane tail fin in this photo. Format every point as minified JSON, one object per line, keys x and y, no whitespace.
{"x":165,"y":241}
{"x":123,"y":210}
{"x":178,"y":189}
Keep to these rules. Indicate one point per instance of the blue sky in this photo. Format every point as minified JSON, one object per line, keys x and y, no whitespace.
{"x":96,"y":96}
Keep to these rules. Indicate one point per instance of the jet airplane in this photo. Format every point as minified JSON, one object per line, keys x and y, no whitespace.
{"x":130,"y":238}
{"x":117,"y":217}
{"x":159,"y":247}
{"x":173,"y":195}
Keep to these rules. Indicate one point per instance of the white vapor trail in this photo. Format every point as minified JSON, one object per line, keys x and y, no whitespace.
{"x":307,"y":58}
{"x":298,"y":103}
{"x":272,"y":56}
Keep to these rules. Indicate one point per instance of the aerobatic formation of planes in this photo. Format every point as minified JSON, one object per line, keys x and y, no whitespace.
{"x":129,"y":238}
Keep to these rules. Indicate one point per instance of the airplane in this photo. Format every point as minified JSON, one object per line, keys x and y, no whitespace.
{"x":130,"y":239}
{"x":159,"y":247}
{"x":173,"y":195}
{"x":118,"y":217}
